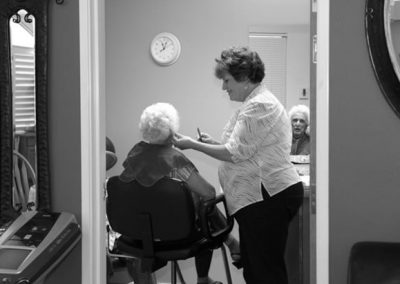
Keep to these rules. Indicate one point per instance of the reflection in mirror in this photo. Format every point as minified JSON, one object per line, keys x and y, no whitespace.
{"x":22,"y":48}
{"x":392,"y":32}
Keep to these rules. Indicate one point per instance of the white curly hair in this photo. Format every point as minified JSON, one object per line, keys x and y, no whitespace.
{"x":300,"y":109}
{"x":158,"y":122}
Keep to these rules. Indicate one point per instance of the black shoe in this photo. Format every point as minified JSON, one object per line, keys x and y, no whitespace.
{"x":237,"y":261}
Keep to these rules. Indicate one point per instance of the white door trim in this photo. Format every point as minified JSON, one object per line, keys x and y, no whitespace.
{"x":322,"y":143}
{"x":92,"y":47}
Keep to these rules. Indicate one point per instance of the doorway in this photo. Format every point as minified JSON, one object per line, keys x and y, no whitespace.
{"x":93,"y":133}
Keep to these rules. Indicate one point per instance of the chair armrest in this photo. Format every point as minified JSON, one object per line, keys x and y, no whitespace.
{"x":207,"y":211}
{"x":110,"y":234}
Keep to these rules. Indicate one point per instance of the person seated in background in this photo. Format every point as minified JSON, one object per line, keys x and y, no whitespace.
{"x":111,"y":157}
{"x":111,"y":160}
{"x":155,"y":157}
{"x":300,"y":118}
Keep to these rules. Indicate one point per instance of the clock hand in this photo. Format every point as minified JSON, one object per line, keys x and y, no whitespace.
{"x":164,"y":45}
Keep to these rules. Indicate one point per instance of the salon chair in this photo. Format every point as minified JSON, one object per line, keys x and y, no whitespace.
{"x":158,"y":224}
{"x":374,"y":263}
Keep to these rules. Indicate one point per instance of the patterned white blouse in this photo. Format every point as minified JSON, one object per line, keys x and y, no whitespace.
{"x":259,"y":137}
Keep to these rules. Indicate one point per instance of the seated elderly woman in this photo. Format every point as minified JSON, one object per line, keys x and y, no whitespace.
{"x":155,"y":157}
{"x":300,"y":118}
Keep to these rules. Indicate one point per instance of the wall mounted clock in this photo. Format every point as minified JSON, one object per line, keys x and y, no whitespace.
{"x":165,"y":48}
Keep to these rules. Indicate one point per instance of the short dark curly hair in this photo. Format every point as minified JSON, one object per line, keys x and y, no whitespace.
{"x":241,"y":63}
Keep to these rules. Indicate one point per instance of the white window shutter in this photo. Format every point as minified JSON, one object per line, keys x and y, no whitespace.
{"x":272,"y":50}
{"x":23,"y":77}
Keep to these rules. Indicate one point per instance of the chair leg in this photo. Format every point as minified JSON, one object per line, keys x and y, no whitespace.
{"x":173,"y":272}
{"x":226,"y":265}
{"x":180,"y":274}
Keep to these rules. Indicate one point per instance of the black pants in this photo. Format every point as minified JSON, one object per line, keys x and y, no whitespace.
{"x":263,"y":231}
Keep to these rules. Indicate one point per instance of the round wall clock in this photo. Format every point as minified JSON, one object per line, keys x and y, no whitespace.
{"x":165,"y":48}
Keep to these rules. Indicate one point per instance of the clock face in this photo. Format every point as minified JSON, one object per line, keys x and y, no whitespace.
{"x":165,"y":48}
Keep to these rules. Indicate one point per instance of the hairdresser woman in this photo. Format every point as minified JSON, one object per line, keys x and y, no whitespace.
{"x":261,"y":186}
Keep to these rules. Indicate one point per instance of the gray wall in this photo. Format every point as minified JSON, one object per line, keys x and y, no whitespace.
{"x":364,"y":144}
{"x":64,"y":124}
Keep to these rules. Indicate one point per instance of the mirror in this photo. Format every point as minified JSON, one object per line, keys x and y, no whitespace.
{"x":392,"y":32}
{"x":24,"y":159}
{"x":22,"y":49}
{"x":382,"y":33}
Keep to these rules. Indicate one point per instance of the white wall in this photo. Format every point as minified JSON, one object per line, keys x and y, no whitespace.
{"x":133,"y":80}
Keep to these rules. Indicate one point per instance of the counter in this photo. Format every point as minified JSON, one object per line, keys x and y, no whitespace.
{"x":298,"y":243}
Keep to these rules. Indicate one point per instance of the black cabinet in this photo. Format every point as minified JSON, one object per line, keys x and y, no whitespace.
{"x":298,"y":244}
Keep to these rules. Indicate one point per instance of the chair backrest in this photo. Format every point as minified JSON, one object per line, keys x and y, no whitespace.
{"x":167,"y":207}
{"x":374,"y":262}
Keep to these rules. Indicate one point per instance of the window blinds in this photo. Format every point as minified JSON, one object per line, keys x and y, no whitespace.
{"x":272,"y":50}
{"x":23,"y":77}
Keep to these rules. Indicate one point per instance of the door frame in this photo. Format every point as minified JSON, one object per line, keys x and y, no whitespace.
{"x":92,"y":88}
{"x":322,"y":144}
{"x":92,"y":74}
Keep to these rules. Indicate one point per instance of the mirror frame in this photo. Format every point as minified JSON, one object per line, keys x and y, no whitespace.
{"x":379,"y":54}
{"x":38,"y":9}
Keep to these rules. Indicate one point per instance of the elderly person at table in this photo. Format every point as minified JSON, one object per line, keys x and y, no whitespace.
{"x":300,"y":118}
